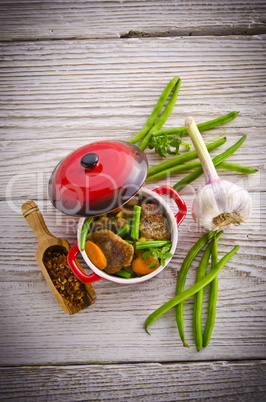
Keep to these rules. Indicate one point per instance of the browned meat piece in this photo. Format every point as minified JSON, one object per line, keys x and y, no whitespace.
{"x":108,"y":223}
{"x":116,"y":250}
{"x":153,"y":224}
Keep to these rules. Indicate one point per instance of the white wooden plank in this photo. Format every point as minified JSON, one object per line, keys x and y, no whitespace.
{"x":57,"y":96}
{"x":230,"y":381}
{"x":46,"y":105}
{"x":31,"y":20}
{"x":34,"y":330}
{"x":39,"y":158}
{"x":66,"y":89}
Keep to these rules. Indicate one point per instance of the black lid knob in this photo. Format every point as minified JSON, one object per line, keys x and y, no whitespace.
{"x":89,"y":160}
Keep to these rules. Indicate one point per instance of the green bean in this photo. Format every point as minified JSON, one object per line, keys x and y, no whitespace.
{"x":162,"y":119}
{"x":124,"y":230}
{"x":177,"y":169}
{"x":188,"y":156}
{"x":216,"y":161}
{"x":130,"y":241}
{"x":185,"y":167}
{"x":236,"y":168}
{"x":199,"y":295}
{"x":175,"y":301}
{"x":197,"y":311}
{"x":201,"y":126}
{"x":123,"y":273}
{"x":181,"y":279}
{"x":142,"y":245}
{"x":212,"y":299}
{"x":154,"y":114}
{"x":84,"y":232}
{"x":135,"y":222}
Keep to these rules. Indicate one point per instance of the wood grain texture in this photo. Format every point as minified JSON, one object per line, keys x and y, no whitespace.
{"x":31,"y":19}
{"x":118,"y":97}
{"x":54,"y":98}
{"x":70,"y":89}
{"x":238,"y":381}
{"x":75,"y":72}
{"x":35,"y":331}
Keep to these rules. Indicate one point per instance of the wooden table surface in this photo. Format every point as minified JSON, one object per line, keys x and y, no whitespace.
{"x":75,"y":72}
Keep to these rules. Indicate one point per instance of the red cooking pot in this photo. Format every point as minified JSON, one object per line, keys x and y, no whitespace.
{"x":99,"y":178}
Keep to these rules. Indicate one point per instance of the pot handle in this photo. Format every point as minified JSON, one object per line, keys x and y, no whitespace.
{"x":71,"y":260}
{"x":167,"y":190}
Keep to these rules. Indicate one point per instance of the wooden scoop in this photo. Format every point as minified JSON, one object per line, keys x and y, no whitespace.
{"x":48,"y":242}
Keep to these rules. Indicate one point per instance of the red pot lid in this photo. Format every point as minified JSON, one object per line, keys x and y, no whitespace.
{"x":97,"y":178}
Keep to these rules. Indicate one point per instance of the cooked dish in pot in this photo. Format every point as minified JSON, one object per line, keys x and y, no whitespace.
{"x":132,"y":241}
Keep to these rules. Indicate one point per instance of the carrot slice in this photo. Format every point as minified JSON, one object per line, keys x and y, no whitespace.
{"x":96,"y":255}
{"x":141,"y":266}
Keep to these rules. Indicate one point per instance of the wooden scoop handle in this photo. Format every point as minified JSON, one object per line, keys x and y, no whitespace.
{"x":35,"y":219}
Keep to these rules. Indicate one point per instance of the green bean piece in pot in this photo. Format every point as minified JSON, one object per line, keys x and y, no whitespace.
{"x":199,"y":295}
{"x":181,"y":279}
{"x":142,"y":245}
{"x":162,"y":119}
{"x":135,"y":222}
{"x":130,"y":241}
{"x":175,"y":301}
{"x":212,"y":300}
{"x":123,"y":274}
{"x":124,"y":230}
{"x":154,"y":114}
{"x":216,"y":161}
{"x":84,"y":232}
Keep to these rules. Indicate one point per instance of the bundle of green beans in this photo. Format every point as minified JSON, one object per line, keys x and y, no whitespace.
{"x":152,"y":129}
{"x":151,"y":124}
{"x":178,"y":164}
{"x":210,"y":238}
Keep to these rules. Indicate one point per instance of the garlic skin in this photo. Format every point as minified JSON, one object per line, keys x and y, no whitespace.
{"x":220,"y":204}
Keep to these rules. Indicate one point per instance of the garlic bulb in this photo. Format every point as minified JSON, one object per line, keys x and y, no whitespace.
{"x":219,"y":203}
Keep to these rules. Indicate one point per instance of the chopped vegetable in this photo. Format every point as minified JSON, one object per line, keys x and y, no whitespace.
{"x":84,"y":232}
{"x":144,"y":267}
{"x":96,"y":255}
{"x":123,"y":274}
{"x":151,"y":243}
{"x":135,"y":222}
{"x":124,"y":230}
{"x":146,"y":255}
